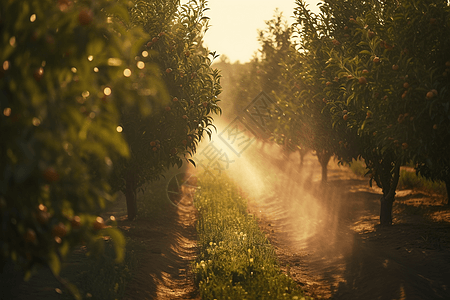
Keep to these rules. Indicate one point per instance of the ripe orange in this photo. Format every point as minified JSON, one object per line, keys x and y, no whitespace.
{"x":376,"y":59}
{"x":362,"y":80}
{"x":395,"y":67}
{"x":59,"y":230}
{"x":63,"y":5}
{"x":38,"y":74}
{"x":51,"y":175}
{"x":76,"y":222}
{"x":85,"y":17}
{"x":42,"y":217}
{"x":30,"y":236}
{"x":345,"y":117}
{"x":406,"y":85}
{"x":98,"y":223}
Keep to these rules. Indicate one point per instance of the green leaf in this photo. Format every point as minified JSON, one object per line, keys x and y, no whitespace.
{"x":118,"y":241}
{"x":192,"y":162}
{"x":54,"y":263}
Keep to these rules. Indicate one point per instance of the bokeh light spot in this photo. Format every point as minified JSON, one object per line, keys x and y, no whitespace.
{"x":7,"y":112}
{"x":85,"y":94}
{"x":107,"y":91}
{"x":36,"y":122}
{"x":127,"y":72}
{"x":108,"y":161}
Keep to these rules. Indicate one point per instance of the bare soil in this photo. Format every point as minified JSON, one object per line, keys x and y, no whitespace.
{"x":165,"y":256}
{"x":163,"y":247}
{"x":328,"y":239}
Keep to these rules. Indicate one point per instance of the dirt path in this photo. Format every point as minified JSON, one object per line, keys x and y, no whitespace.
{"x":327,"y":238}
{"x":164,"y":246}
{"x":167,"y":246}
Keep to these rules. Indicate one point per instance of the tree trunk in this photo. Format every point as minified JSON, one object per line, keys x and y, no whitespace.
{"x":302,"y":152}
{"x":324,"y":157}
{"x":389,"y":183}
{"x":386,"y":211}
{"x":130,"y":195}
{"x":263,"y":144}
{"x":447,"y":187}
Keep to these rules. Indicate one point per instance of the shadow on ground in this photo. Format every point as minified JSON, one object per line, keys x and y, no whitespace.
{"x":327,"y":238}
{"x":161,"y":246}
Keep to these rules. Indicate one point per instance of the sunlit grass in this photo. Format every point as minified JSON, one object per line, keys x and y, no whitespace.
{"x":102,"y":277}
{"x":236,"y":260}
{"x":408,"y":179}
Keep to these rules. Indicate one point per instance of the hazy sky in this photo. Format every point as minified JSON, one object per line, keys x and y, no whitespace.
{"x":234,"y":24}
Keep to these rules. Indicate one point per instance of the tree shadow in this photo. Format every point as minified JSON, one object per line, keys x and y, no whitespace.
{"x":395,"y":263}
{"x":165,"y":245}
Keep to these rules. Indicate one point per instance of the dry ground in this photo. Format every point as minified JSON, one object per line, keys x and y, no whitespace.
{"x":163,"y":245}
{"x":328,"y":240}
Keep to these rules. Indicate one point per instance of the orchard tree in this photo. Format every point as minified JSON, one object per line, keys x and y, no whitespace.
{"x":389,"y":62}
{"x":64,"y":79}
{"x":172,"y":132}
{"x":303,"y":77}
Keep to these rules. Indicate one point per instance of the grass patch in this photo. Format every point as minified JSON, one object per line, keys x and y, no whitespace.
{"x":358,"y":167}
{"x":101,"y":277}
{"x":410,"y":180}
{"x":235,"y":260}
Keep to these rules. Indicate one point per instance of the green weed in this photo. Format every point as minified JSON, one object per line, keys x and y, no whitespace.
{"x":408,"y":179}
{"x":235,"y":261}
